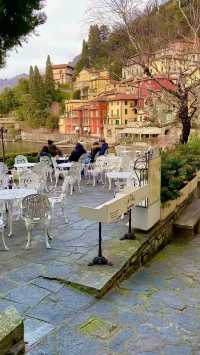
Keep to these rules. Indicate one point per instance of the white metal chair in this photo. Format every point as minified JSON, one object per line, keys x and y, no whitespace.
{"x":30,"y":180}
{"x":21,"y":159}
{"x":62,"y":197}
{"x":41,"y":169}
{"x":48,"y":163}
{"x":4,"y":181}
{"x":74,"y":176}
{"x":36,"y":210}
{"x":57,"y":171}
{"x":2,"y":224}
{"x":96,"y":170}
{"x":3,"y":168}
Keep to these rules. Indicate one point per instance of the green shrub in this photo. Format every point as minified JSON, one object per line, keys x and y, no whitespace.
{"x":178,"y":167}
{"x":10,"y":158}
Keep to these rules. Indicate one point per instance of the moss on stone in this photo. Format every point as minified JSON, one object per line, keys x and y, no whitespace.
{"x":98,"y":327}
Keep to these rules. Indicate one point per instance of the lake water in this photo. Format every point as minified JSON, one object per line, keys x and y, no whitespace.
{"x":25,"y":147}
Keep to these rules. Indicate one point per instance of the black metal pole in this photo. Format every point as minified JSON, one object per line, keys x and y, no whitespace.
{"x":130,"y":235}
{"x":100,"y":241}
{"x":129,"y":222}
{"x":2,"y":143}
{"x":100,"y":259}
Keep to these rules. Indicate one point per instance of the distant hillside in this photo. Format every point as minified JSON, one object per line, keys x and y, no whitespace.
{"x":75,"y":60}
{"x":12,"y":81}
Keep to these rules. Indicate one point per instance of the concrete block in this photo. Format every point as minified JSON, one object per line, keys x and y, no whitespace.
{"x":11,"y":332}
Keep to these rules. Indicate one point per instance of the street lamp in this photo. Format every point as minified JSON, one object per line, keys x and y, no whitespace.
{"x":2,"y":132}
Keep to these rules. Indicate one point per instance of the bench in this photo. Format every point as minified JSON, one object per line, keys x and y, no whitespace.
{"x":111,"y":211}
{"x":188,"y":222}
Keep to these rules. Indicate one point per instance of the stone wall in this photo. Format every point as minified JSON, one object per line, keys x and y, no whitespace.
{"x":156,"y":239}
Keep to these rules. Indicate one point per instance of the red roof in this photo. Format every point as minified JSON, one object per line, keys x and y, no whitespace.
{"x":61,"y":66}
{"x":119,"y":97}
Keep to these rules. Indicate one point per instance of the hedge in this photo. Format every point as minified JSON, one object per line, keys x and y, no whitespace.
{"x":10,"y":158}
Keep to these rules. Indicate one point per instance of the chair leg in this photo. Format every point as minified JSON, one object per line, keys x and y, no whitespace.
{"x":79,"y":187}
{"x":3,"y":240}
{"x":110,"y":184}
{"x":48,"y":246}
{"x":71,"y":189}
{"x":28,"y":238}
{"x":49,"y":236}
{"x":63,"y":210}
{"x":94,"y":181}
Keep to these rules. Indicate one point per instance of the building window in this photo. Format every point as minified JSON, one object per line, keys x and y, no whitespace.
{"x":126,"y":102}
{"x":135,"y":111}
{"x":117,"y":122}
{"x":126,"y":121}
{"x":117,"y":112}
{"x":126,"y":111}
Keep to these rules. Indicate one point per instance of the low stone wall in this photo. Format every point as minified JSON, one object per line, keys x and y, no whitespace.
{"x":159,"y":236}
{"x":171,"y":206}
{"x":11,"y":332}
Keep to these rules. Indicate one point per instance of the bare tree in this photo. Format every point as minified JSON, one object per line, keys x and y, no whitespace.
{"x":150,"y":28}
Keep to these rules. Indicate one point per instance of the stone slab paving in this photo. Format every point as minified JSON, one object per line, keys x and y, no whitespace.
{"x":156,"y":311}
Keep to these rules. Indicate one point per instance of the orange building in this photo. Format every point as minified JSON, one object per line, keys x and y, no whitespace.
{"x":87,"y":119}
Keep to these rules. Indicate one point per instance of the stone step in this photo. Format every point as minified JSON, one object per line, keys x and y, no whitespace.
{"x":189,"y":218}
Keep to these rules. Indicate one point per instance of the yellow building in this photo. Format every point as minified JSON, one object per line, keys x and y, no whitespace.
{"x":121,"y":111}
{"x":91,"y":83}
{"x":70,"y":107}
{"x":178,"y":56}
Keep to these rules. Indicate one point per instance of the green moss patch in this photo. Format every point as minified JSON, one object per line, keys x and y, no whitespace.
{"x":98,"y":327}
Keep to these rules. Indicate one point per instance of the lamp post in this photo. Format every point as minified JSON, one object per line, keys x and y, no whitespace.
{"x":2,"y":132}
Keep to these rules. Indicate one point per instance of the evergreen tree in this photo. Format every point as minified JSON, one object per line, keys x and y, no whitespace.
{"x":49,"y":82}
{"x":85,"y":55}
{"x":38,"y":88}
{"x":94,"y":44}
{"x":104,"y":32}
{"x":31,"y":79}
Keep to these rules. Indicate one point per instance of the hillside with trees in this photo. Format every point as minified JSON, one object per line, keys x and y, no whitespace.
{"x":31,"y":100}
{"x":110,"y":46}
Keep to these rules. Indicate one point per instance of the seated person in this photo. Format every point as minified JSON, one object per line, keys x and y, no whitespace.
{"x":77,"y":152}
{"x":44,"y":152}
{"x":94,"y":150}
{"x":53,"y":150}
{"x":104,"y":147}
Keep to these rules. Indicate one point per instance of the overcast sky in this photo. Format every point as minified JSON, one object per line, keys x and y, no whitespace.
{"x":61,"y":37}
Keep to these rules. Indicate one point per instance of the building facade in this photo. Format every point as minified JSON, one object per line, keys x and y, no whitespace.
{"x":91,"y":83}
{"x":84,"y":117}
{"x":177,"y":56}
{"x":62,"y":74}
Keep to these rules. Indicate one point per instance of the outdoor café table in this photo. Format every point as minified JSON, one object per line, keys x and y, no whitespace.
{"x":8,"y":196}
{"x":24,"y":165}
{"x":65,"y":165}
{"x":118,"y":175}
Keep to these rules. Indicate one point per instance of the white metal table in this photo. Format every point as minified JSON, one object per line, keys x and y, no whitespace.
{"x":9,"y":196}
{"x":118,"y":175}
{"x":22,"y":166}
{"x":65,"y":165}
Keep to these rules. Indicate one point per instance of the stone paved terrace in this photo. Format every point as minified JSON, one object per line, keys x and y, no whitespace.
{"x":156,"y":311}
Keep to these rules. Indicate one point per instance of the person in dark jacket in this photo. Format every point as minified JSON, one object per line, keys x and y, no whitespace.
{"x":44,"y":152}
{"x":53,"y":150}
{"x":77,"y":152}
{"x":104,"y":147}
{"x":94,"y":150}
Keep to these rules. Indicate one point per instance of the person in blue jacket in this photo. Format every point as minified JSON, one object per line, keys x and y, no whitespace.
{"x":103,"y":147}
